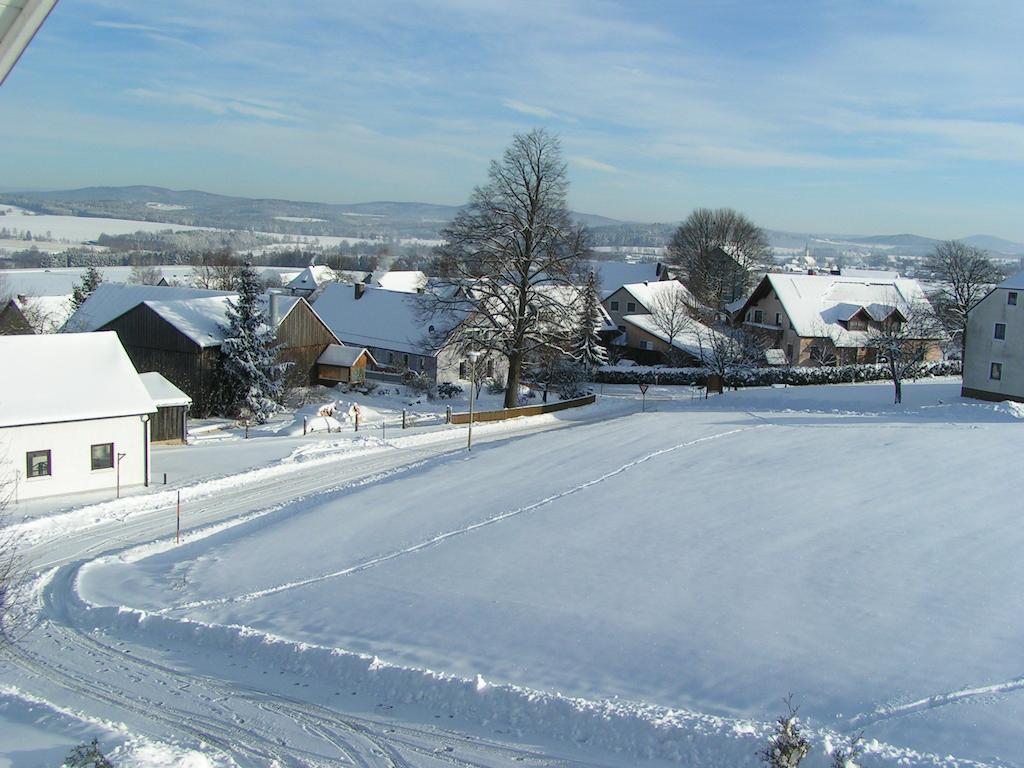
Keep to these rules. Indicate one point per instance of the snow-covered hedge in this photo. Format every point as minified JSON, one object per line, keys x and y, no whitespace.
{"x":764,"y":377}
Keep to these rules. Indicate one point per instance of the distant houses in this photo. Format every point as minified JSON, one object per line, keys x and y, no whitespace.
{"x":12,"y":320}
{"x":827,"y":318}
{"x":993,"y":366}
{"x":178,"y":332}
{"x":84,"y":429}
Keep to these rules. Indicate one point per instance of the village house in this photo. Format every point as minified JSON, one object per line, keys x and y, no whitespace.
{"x":391,"y":326}
{"x":637,"y":312}
{"x":612,"y":275}
{"x":343,"y":365}
{"x":178,"y":332}
{"x":12,"y":319}
{"x":86,"y":429}
{"x":170,"y":423}
{"x":994,"y":345}
{"x":827,"y":319}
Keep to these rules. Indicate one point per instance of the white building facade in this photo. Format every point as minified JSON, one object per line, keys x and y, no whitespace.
{"x":74,"y":416}
{"x":994,"y":345}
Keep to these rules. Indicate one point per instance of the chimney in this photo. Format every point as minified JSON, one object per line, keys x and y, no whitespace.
{"x":360,"y":290}
{"x":275,"y":310}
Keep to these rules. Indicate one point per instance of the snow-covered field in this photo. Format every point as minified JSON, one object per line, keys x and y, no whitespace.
{"x":648,"y":585}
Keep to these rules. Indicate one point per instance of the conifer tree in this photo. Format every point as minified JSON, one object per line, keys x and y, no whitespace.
{"x":252,"y":379}
{"x":589,"y":349}
{"x":90,"y":280}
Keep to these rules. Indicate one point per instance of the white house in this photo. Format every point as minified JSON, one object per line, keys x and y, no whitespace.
{"x":74,"y":415}
{"x":994,"y":346}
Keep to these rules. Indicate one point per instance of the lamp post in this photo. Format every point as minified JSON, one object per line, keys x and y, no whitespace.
{"x":473,"y":357}
{"x":117,"y":472}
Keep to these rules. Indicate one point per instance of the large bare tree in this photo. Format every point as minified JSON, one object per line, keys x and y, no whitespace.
{"x":506,"y":255}
{"x":672,"y":313}
{"x":966,"y":274}
{"x":717,"y":251}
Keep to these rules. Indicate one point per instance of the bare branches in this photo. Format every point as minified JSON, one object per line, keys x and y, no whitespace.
{"x":509,"y":255}
{"x":966,"y":274}
{"x":904,"y":341}
{"x":11,"y":611}
{"x":672,"y":313}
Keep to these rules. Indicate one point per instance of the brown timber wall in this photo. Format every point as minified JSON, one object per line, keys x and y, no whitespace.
{"x":527,"y":410}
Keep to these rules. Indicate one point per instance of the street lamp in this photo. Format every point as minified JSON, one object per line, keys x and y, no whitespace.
{"x":473,"y":357}
{"x":117,"y":472}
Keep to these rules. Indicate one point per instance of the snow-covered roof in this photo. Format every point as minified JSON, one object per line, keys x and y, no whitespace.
{"x":339,"y":354}
{"x":312,"y":278}
{"x":1013,"y":283}
{"x":163,"y":392}
{"x":612,"y":275}
{"x":650,"y":294}
{"x":815,"y":304}
{"x":689,"y":340}
{"x":407,"y":281}
{"x":111,"y":300}
{"x":380,"y":318}
{"x":96,"y":380}
{"x":200,"y":315}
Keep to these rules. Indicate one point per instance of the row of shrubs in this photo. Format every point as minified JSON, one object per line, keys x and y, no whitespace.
{"x":764,"y":377}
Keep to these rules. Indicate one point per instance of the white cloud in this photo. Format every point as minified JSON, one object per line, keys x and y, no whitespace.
{"x":216,"y":105}
{"x":591,"y":164}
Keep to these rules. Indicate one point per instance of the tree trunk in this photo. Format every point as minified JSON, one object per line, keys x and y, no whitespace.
{"x":515,"y":366}
{"x":899,"y":391}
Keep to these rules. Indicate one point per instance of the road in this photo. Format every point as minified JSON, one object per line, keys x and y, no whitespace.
{"x":206,"y":698}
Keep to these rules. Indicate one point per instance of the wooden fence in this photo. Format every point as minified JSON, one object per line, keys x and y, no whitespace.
{"x":526,"y":410}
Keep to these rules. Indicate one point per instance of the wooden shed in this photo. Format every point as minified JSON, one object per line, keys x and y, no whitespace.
{"x":343,"y":365}
{"x":170,"y":424}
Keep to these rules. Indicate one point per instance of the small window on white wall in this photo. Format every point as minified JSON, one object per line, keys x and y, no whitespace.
{"x":995,"y":371}
{"x":102,"y":455}
{"x":1011,"y":298}
{"x":37,"y":464}
{"x":1000,"y":332}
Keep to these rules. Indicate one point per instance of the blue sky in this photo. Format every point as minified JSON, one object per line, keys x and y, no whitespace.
{"x":813,"y":116}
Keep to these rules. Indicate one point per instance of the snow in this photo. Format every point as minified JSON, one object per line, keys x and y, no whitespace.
{"x":689,"y":340}
{"x":311,"y":278}
{"x":337,"y":354}
{"x":648,"y":295}
{"x":162,"y":392}
{"x":111,"y":300}
{"x":78,"y":229}
{"x":407,"y":281}
{"x":652,"y":583}
{"x":300,"y":219}
{"x":612,"y":275}
{"x":58,"y":377}
{"x":380,"y":318}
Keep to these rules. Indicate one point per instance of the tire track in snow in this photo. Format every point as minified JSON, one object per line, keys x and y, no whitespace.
{"x":442,"y":537}
{"x":934,"y":702}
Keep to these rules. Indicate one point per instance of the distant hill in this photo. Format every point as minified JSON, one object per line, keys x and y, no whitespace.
{"x":192,"y":207}
{"x":196,"y":208}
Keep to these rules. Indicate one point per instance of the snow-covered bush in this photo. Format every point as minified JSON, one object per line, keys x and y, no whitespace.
{"x":787,"y":745}
{"x":846,"y":756}
{"x":765,"y":377}
{"x":446,"y":390}
{"x":495,"y":387}
{"x":87,"y":756}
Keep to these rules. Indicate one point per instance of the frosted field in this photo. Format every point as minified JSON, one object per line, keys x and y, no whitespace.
{"x":710,"y":556}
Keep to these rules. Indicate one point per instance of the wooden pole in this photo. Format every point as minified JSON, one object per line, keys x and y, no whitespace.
{"x":177,"y":533}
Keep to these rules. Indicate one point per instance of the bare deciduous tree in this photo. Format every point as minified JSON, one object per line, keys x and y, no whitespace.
{"x":11,"y":614}
{"x":503,"y":252}
{"x":726,"y":348}
{"x":903,"y":342}
{"x":672,"y":314}
{"x":966,"y":274}
{"x":218,"y":271}
{"x":145,"y":274}
{"x":716,"y":251}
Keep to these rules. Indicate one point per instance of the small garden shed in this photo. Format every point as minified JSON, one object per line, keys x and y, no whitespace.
{"x":343,"y":365}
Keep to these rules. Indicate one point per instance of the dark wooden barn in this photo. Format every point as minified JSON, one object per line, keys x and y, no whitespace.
{"x":181,"y":340}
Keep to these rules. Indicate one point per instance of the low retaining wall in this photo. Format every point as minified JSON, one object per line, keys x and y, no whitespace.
{"x":526,"y":410}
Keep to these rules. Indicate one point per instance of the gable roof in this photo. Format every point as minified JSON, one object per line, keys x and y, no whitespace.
{"x":380,"y":318}
{"x":649,"y":294}
{"x":96,"y":380}
{"x":163,"y":392}
{"x":111,"y":300}
{"x":199,"y":315}
{"x":612,"y":275}
{"x":311,"y":278}
{"x":1014,"y":282}
{"x":346,"y":357}
{"x":815,"y":304}
{"x":688,"y":341}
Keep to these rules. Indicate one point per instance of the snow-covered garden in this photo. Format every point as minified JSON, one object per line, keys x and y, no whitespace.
{"x":688,"y":567}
